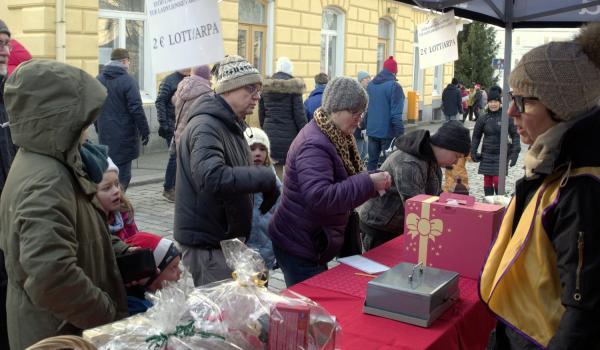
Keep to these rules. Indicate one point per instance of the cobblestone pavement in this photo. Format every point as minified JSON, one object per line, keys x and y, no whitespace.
{"x":155,"y":214}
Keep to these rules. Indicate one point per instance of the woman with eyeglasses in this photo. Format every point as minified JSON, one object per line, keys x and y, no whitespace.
{"x":542,"y":276}
{"x":488,"y":128}
{"x":324,"y":182}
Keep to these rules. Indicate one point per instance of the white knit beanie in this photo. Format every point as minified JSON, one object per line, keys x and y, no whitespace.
{"x":112,"y":166}
{"x":285,"y":65}
{"x":256,"y":135}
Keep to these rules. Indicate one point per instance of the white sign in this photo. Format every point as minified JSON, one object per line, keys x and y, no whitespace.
{"x":437,"y":41}
{"x":184,"y":33}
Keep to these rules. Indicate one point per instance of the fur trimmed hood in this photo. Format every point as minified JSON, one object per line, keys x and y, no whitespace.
{"x":284,"y":86}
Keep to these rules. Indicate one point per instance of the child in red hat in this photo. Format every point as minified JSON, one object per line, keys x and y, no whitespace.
{"x":166,"y":257}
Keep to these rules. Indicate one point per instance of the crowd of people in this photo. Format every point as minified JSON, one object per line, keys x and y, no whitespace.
{"x":66,"y":223}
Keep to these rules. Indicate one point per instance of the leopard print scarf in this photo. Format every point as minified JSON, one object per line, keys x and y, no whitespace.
{"x":345,"y":145}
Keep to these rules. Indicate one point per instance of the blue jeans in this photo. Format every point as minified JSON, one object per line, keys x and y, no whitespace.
{"x":124,"y":174}
{"x":296,"y":269}
{"x":376,"y":146}
{"x":362,"y":148}
{"x":171,"y":170}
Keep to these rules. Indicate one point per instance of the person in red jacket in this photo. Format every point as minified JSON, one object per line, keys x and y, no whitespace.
{"x":18,"y":55}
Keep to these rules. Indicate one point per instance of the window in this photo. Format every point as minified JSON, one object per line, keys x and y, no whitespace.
{"x":384,"y":42}
{"x":252,"y":32}
{"x":121,"y":23}
{"x":332,"y":42}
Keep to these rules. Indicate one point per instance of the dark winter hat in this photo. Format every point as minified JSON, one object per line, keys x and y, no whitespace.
{"x":564,"y":75}
{"x":119,"y":54}
{"x":453,"y":136}
{"x":391,"y":65}
{"x":495,"y":93}
{"x":4,"y":28}
{"x":201,"y":71}
{"x":321,"y":78}
{"x":344,"y":94}
{"x":235,"y":72}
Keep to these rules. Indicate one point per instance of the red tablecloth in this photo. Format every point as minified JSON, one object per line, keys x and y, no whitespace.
{"x":466,"y":325}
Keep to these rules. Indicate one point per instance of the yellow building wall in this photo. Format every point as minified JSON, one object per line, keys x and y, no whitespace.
{"x":33,"y":23}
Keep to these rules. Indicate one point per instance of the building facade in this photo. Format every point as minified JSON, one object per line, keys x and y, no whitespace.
{"x":339,"y":37}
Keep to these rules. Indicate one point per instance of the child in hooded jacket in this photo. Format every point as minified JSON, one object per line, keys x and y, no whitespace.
{"x":116,"y":206}
{"x":259,"y":239}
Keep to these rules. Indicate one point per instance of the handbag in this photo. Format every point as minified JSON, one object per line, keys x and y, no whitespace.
{"x":352,"y":241}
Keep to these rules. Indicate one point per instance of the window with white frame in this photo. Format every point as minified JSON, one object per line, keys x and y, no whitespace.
{"x":332,"y":42}
{"x":121,"y":24}
{"x":252,"y":32}
{"x":385,"y":42}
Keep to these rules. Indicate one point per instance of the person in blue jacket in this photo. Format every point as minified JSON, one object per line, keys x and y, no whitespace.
{"x":314,"y":99}
{"x":384,"y":113}
{"x":122,"y":122}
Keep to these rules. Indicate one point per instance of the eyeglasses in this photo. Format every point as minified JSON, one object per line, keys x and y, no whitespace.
{"x":254,"y":90}
{"x":520,"y":101}
{"x":5,"y":44}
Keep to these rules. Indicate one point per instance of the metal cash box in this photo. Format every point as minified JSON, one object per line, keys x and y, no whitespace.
{"x":412,"y":293}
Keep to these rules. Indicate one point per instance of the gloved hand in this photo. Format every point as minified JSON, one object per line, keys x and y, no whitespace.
{"x":145,"y":139}
{"x":513,"y":161}
{"x":269,"y":200}
{"x":165,"y":133}
{"x":476,"y":157}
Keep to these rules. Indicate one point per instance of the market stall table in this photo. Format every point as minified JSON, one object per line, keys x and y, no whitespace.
{"x":466,"y":325}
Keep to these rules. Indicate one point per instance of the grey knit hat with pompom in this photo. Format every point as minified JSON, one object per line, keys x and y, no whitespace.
{"x":565,"y":76}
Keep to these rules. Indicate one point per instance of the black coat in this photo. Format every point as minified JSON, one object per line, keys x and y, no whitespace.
{"x":215,"y":180}
{"x":122,"y":120}
{"x":7,"y":149}
{"x":165,"y":110}
{"x":575,"y":212}
{"x":488,"y":126}
{"x":451,"y":100}
{"x":281,"y":112}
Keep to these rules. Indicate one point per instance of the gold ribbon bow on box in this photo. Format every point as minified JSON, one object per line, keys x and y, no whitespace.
{"x":425,"y":228}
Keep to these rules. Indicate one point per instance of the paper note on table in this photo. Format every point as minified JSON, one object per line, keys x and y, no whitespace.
{"x":363,"y":264}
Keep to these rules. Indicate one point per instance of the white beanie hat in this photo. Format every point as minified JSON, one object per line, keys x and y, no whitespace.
{"x":256,"y":135}
{"x":112,"y":166}
{"x":285,"y":65}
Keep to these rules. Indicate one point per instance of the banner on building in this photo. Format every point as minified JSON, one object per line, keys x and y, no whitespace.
{"x":437,"y":41}
{"x":184,"y":33}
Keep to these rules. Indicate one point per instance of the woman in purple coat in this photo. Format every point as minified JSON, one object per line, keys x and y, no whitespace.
{"x":324,"y":181}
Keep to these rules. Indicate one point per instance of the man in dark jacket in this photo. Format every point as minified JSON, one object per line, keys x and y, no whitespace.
{"x":314,"y":99}
{"x":215,"y":179}
{"x":7,"y":153}
{"x":452,"y":101}
{"x":415,"y":169}
{"x":122,"y":122}
{"x":165,"y":111}
{"x":280,"y":109}
{"x":384,"y":114}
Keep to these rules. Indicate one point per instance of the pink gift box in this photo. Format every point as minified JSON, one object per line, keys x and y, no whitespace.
{"x":451,"y":232}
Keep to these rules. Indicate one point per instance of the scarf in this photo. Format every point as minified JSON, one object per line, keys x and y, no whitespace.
{"x":94,"y":158}
{"x":118,"y":223}
{"x":345,"y":145}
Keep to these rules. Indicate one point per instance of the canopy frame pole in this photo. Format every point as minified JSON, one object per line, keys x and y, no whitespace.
{"x":503,"y":169}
